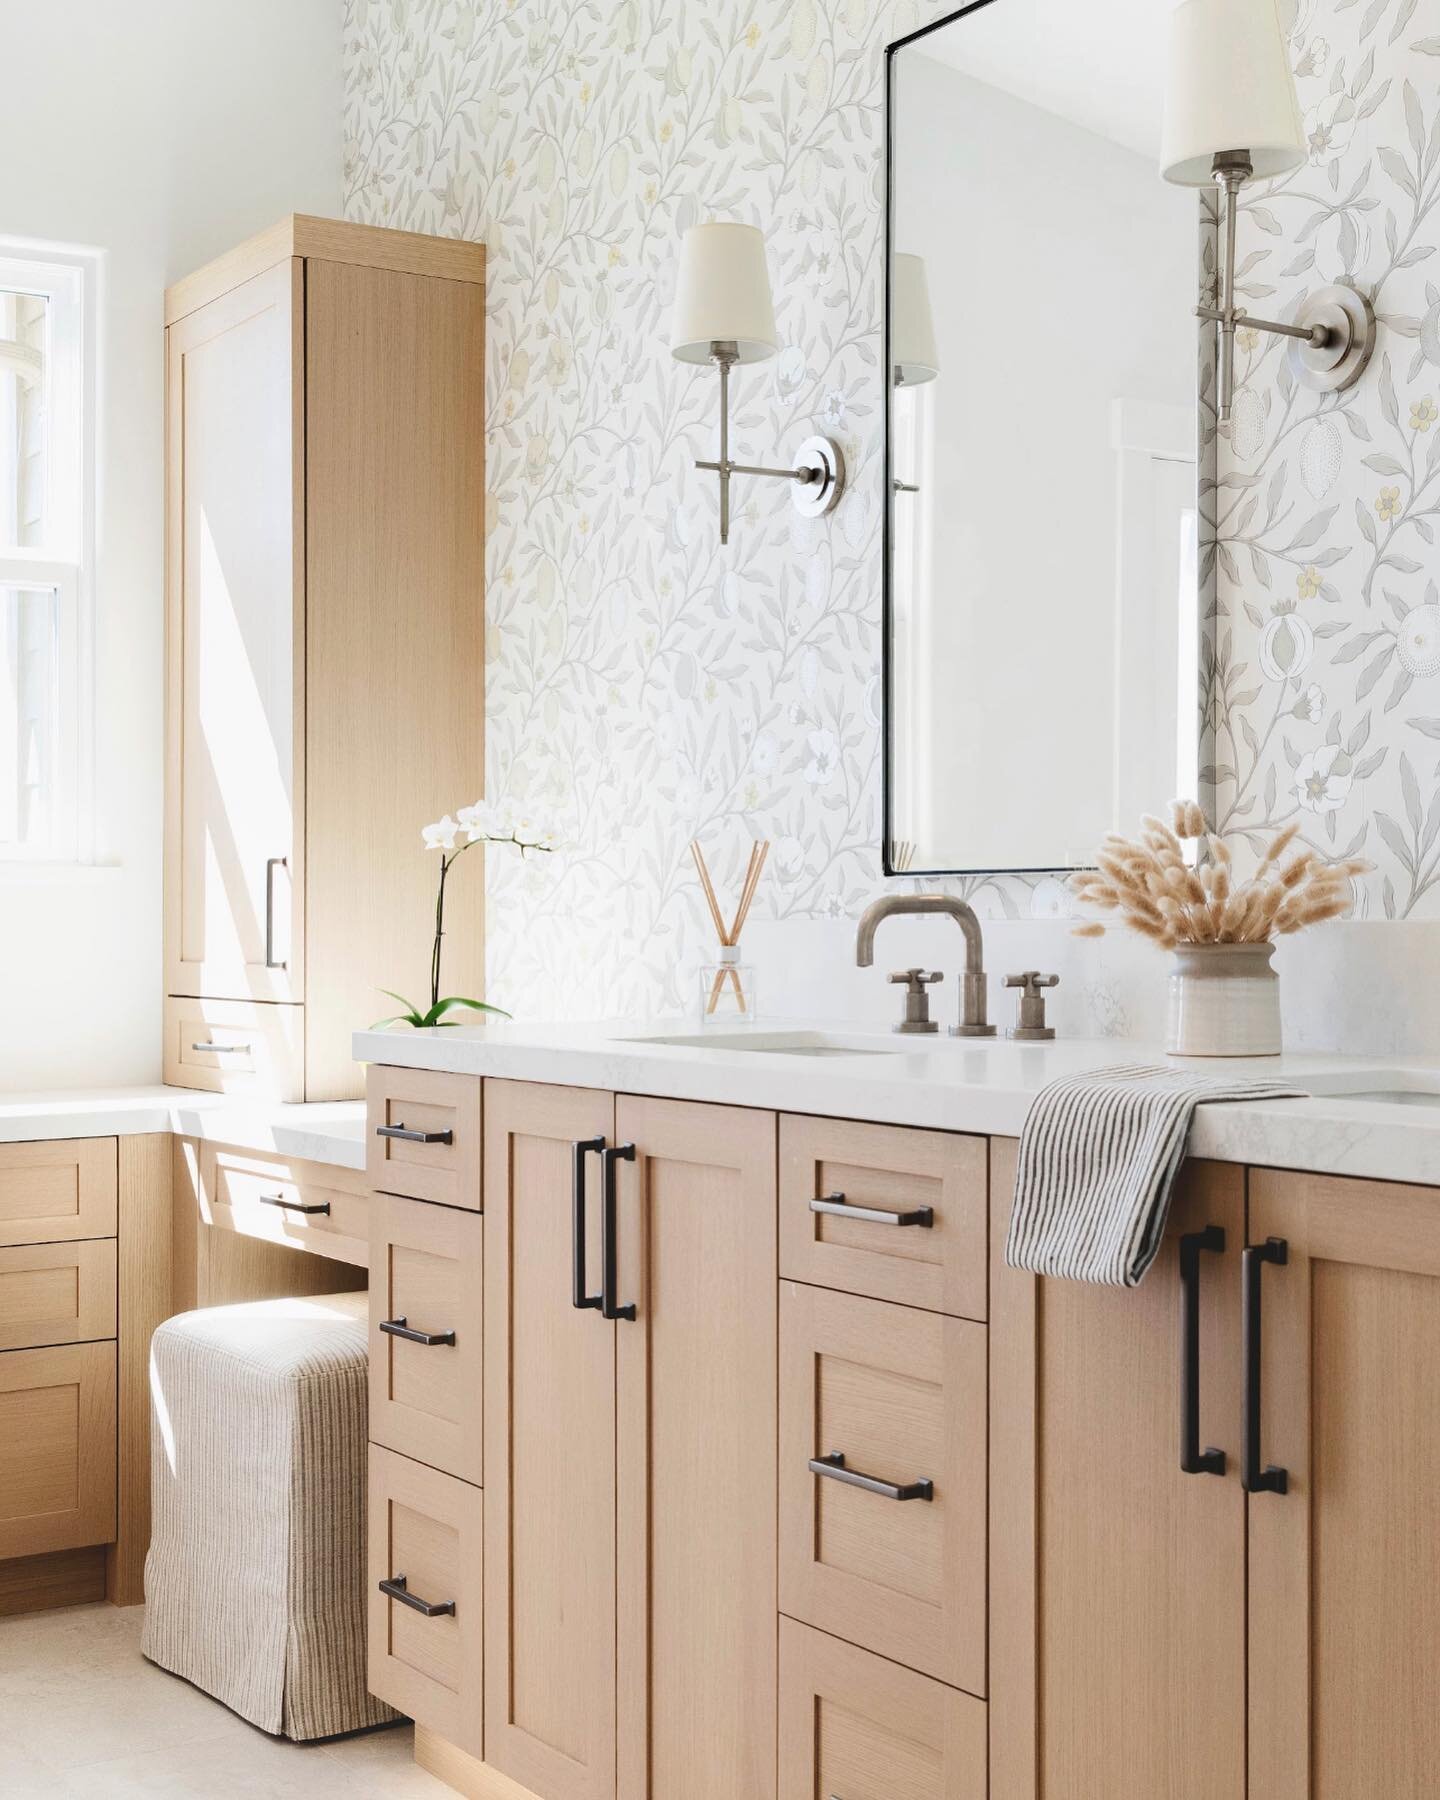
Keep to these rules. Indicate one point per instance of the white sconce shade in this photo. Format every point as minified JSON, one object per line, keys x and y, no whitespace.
{"x":913,"y":355}
{"x":1228,"y":86}
{"x":722,"y":295}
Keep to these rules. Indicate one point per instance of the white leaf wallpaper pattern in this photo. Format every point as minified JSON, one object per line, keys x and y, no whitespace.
{"x":650,"y":685}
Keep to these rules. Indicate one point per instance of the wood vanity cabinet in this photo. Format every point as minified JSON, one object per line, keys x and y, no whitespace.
{"x":630,"y":1459}
{"x":1160,"y":1632}
{"x":324,"y":553}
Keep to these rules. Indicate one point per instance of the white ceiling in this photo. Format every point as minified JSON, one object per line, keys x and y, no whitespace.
{"x":1099,"y":63}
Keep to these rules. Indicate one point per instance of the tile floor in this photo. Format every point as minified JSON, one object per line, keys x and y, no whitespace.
{"x":84,"y":1717}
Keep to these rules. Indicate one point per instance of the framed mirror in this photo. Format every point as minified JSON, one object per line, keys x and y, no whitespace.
{"x":1044,"y":567}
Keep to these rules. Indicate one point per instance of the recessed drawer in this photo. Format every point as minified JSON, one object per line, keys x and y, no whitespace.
{"x":882,"y":1479}
{"x":423,"y":1135}
{"x":426,"y":1339}
{"x":57,"y":1192}
{"x":236,"y":1047}
{"x":57,"y":1448}
{"x":57,"y":1293}
{"x":425,"y":1623}
{"x":306,"y":1205}
{"x":880,"y":1210}
{"x":859,"y":1728}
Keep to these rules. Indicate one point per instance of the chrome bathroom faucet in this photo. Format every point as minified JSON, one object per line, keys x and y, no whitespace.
{"x":972,"y":990}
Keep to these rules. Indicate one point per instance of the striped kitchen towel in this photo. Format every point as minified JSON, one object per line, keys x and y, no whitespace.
{"x":1098,"y":1159}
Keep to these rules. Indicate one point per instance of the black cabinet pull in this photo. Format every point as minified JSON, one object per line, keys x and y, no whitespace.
{"x":617,"y":1153}
{"x":833,"y":1466}
{"x":399,"y":1328}
{"x":312,"y":1209}
{"x":396,"y":1589}
{"x":1255,"y":1478}
{"x":578,"y":1297}
{"x":924,"y":1216}
{"x":1194,"y":1460}
{"x":415,"y":1137}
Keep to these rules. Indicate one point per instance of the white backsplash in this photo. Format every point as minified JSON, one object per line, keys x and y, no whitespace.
{"x":1352,"y":987}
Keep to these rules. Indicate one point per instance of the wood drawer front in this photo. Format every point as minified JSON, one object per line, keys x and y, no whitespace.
{"x":426,"y":1267}
{"x":242,"y":1186}
{"x":901,"y":1395}
{"x":421,"y":1100}
{"x":57,"y":1293}
{"x":57,"y":1448}
{"x":59,"y":1192}
{"x":426,"y":1526}
{"x":940,"y":1266}
{"x":236,"y":1047}
{"x":857,"y":1727}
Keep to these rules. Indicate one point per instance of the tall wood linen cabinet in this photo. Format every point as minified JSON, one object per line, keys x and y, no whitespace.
{"x":324,"y":644}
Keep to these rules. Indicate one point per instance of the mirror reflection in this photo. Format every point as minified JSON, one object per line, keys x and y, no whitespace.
{"x":1043,"y":622}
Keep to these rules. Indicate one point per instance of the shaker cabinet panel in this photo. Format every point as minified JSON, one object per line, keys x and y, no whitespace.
{"x":60,"y":1191}
{"x":696,"y":1563}
{"x":1344,"y":1595}
{"x":549,"y":1453}
{"x":1117,"y":1598}
{"x":235,"y":511}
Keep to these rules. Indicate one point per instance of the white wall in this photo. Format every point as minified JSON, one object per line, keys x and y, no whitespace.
{"x":159,"y":132}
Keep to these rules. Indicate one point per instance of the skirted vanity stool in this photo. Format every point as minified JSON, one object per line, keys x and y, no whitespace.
{"x":255,"y":1580}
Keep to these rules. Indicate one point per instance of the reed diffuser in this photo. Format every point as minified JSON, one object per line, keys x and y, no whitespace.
{"x":728,"y":989}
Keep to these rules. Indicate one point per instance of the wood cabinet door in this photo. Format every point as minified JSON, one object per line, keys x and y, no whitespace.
{"x":235,"y":643}
{"x":1344,"y":1594}
{"x":57,"y":1448}
{"x":696,"y":1467}
{"x":549,"y":1451}
{"x":59,"y":1191}
{"x":1117,"y":1582}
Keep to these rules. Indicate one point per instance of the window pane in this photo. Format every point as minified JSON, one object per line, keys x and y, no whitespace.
{"x":29,"y":717}
{"x":23,"y":384}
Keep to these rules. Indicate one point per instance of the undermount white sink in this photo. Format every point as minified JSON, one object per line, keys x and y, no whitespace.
{"x":1386,"y":1087}
{"x":791,"y":1043}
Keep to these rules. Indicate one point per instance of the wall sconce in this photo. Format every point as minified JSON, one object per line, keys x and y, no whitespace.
{"x":723,"y":314}
{"x":913,"y":356}
{"x":1232,"y":115}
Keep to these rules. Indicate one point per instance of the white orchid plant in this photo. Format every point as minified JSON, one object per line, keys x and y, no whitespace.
{"x":452,"y":837}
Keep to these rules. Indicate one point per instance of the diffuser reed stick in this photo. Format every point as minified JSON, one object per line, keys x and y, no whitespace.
{"x":729,"y":936}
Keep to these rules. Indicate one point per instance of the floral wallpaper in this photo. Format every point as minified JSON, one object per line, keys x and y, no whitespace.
{"x":650,"y":686}
{"x":1325,"y":685}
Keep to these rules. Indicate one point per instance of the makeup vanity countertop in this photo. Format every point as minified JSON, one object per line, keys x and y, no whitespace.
{"x":331,"y":1132}
{"x":954,"y":1084}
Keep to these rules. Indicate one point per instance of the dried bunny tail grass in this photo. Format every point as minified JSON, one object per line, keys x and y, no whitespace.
{"x":1187,"y":818}
{"x":1157,"y":828}
{"x":1295,"y":872}
{"x":1279,"y":845}
{"x":1092,"y":928}
{"x":1219,"y":849}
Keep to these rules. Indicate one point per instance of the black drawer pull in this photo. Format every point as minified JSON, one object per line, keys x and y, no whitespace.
{"x":415,"y":1137}
{"x":399,"y":1328}
{"x":582,"y":1148}
{"x":609,"y":1278}
{"x":924,"y":1216}
{"x":833,"y":1466}
{"x":1256,"y":1478}
{"x":1194,"y":1460}
{"x":314,"y":1208}
{"x":396,"y":1589}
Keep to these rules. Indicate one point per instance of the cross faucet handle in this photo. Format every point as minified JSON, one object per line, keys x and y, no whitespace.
{"x":1031,"y":1024}
{"x":1032,"y":981}
{"x":917,"y":1001}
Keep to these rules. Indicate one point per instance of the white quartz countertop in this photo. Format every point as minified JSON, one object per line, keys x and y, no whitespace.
{"x":953,"y":1084}
{"x":331,"y":1132}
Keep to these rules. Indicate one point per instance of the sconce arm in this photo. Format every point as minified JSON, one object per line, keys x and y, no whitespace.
{"x":735,"y":468}
{"x":1318,"y":336}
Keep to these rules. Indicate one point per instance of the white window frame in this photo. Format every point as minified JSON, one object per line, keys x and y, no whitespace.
{"x":69,"y":282}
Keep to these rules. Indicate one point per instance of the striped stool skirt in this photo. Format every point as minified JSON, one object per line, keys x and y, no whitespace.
{"x":255,"y":1581}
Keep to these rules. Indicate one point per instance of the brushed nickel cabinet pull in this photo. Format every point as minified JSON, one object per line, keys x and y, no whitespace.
{"x":223,"y":1049}
{"x":840,"y":1207}
{"x":833,"y":1467}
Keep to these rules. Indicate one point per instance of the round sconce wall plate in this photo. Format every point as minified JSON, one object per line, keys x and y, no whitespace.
{"x":1350,"y":320}
{"x":820,"y":495}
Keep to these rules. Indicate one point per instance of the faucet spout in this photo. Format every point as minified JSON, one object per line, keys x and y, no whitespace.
{"x":973,"y":988}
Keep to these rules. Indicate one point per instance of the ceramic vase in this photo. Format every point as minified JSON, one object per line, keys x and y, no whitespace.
{"x":1224,"y":1001}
